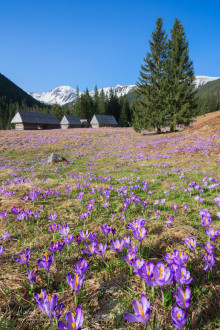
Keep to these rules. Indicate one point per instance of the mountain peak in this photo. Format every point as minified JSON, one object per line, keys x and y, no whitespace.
{"x":65,"y":94}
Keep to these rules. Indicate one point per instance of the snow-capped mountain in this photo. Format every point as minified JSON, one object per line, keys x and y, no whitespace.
{"x":65,"y":94}
{"x":202,"y":80}
{"x":59,"y":95}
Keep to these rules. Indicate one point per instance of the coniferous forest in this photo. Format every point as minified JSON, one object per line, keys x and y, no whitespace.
{"x":165,"y":94}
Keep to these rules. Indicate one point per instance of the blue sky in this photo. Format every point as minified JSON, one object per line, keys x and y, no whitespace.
{"x":45,"y":44}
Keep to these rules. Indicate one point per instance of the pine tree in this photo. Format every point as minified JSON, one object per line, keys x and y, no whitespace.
{"x":150,"y":108}
{"x":86,"y":106}
{"x":95,"y":101}
{"x":125,"y":115}
{"x":181,"y":101}
{"x":76,"y":106}
{"x":102,"y":105}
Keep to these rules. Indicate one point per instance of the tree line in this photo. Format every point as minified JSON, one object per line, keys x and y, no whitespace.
{"x":167,"y":95}
{"x":85,"y":106}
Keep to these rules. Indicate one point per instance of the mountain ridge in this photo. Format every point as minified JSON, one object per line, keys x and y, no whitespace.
{"x":65,"y":94}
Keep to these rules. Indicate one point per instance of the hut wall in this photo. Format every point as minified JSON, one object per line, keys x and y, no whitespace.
{"x":25,"y":126}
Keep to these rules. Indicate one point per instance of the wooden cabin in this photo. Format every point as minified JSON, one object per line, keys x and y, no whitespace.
{"x":26,"y":120}
{"x":70,"y":121}
{"x":103,"y":121}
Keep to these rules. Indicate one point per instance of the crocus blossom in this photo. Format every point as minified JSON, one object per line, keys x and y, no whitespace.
{"x":142,"y":311}
{"x":76,"y":282}
{"x":24,"y":257}
{"x":179,"y":317}
{"x":183,"y":299}
{"x":46,"y":262}
{"x":74,"y":320}
{"x":49,"y":305}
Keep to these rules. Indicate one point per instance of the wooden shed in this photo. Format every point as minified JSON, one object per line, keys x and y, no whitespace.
{"x":84,"y":123}
{"x":70,"y":121}
{"x":25,"y":120}
{"x":103,"y":121}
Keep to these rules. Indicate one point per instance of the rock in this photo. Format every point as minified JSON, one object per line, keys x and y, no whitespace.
{"x":54,"y":158}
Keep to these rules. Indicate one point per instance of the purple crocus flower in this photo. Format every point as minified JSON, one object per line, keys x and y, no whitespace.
{"x":81,"y":267}
{"x":142,"y":311}
{"x":212,"y":233}
{"x":78,"y":240}
{"x":36,"y":214}
{"x":186,"y":207}
{"x":32,"y":275}
{"x":54,"y":227}
{"x":15,"y":209}
{"x":206,"y":220}
{"x":157,"y":212}
{"x":182,"y":276}
{"x":190,"y":243}
{"x":83,"y":235}
{"x":25,"y":198}
{"x":183,"y":299}
{"x":209,"y":261}
{"x":76,"y":282}
{"x":100,"y":249}
{"x":138,"y":264}
{"x":106,"y":229}
{"x":209,"y":248}
{"x":117,"y":246}
{"x":24,"y":257}
{"x":46,"y":262}
{"x":174,"y":207}
{"x":133,"y":248}
{"x":179,"y":258}
{"x":179,"y":317}
{"x":137,"y":223}
{"x":130,"y":257}
{"x":146,"y":271}
{"x":162,"y":275}
{"x":5,"y":236}
{"x":64,"y":231}
{"x":169,"y":221}
{"x":93,"y":236}
{"x":49,"y":305}
{"x":20,"y":216}
{"x":2,"y":249}
{"x":140,"y":233}
{"x":74,"y":320}
{"x":3,"y":214}
{"x":68,"y":239}
{"x":127,"y":241}
{"x":52,"y":217}
{"x":91,"y":249}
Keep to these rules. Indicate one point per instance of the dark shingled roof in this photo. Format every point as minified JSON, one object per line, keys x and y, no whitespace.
{"x":104,"y":120}
{"x":34,"y":118}
{"x":70,"y":119}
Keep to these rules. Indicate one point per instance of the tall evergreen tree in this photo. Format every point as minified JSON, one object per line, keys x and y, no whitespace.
{"x":95,"y":101}
{"x":181,"y":101}
{"x":86,"y":106}
{"x":125,"y":114}
{"x":102,"y":105}
{"x":150,"y":108}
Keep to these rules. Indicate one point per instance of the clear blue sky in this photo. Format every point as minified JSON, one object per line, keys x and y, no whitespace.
{"x":45,"y":44}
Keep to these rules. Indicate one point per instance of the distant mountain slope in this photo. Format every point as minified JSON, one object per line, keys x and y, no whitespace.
{"x":66,"y":94}
{"x":12,"y":98}
{"x":210,"y":88}
{"x":12,"y":93}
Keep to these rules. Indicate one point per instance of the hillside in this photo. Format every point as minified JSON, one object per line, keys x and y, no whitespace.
{"x":12,"y":98}
{"x":210,"y":88}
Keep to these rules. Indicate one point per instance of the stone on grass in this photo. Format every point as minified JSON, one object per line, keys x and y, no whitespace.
{"x":54,"y":158}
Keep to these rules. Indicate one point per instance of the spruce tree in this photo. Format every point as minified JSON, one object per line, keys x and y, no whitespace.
{"x":181,"y":100}
{"x":95,"y":101}
{"x":102,"y":105}
{"x":150,"y":107}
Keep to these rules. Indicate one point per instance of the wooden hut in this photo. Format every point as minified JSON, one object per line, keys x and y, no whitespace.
{"x":84,"y":123}
{"x":34,"y":120}
{"x":103,"y":121}
{"x":70,"y":121}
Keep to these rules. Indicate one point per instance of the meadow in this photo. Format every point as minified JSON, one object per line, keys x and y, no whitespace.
{"x":124,"y":235}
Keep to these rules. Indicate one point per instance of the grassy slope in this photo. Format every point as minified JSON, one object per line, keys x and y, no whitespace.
{"x":109,"y":290}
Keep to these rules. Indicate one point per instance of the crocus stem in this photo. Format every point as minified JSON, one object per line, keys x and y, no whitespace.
{"x":48,"y":278}
{"x":75,"y":298}
{"x":162,"y":293}
{"x":131,"y":270}
{"x":143,"y":284}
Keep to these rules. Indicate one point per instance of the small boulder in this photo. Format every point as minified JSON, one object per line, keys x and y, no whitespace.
{"x":54,"y":158}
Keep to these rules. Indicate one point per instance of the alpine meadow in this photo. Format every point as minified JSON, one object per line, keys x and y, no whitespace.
{"x":110,"y":198}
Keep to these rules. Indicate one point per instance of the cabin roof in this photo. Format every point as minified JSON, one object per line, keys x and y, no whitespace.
{"x":70,"y":119}
{"x":104,"y":119}
{"x":34,"y":118}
